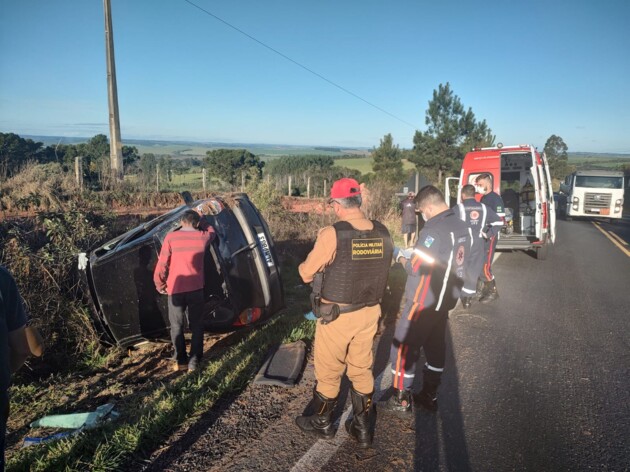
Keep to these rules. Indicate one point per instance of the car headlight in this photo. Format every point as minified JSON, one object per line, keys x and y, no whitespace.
{"x":575,"y":207}
{"x":576,"y":200}
{"x":618,"y":202}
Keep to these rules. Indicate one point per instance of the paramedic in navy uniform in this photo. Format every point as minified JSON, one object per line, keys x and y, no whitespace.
{"x":435,"y":275}
{"x":484,"y":224}
{"x":494,"y":202}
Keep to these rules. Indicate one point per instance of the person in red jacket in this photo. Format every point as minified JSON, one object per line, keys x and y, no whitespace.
{"x":179,"y":273}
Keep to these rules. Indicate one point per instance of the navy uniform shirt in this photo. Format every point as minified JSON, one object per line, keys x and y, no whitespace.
{"x":494,"y":201}
{"x":479,"y":218}
{"x":435,"y":271}
{"x":12,"y":317}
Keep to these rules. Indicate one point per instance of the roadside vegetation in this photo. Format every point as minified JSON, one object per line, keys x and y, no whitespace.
{"x":58,"y":201}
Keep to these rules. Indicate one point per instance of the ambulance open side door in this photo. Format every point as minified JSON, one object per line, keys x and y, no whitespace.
{"x":551,"y":204}
{"x":447,"y":191}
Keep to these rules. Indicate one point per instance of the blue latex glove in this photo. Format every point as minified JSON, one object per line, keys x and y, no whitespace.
{"x":310,"y":316}
{"x":398,"y":252}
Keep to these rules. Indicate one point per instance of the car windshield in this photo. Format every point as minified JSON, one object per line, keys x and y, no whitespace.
{"x":598,"y":181}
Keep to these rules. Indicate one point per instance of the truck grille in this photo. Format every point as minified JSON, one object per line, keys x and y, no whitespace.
{"x":596,"y":200}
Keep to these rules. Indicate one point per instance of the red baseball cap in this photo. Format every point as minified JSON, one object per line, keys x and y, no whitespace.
{"x":344,"y":188}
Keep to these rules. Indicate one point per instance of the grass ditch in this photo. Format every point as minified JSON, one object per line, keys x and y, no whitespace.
{"x":39,"y":252}
{"x":147,"y":421}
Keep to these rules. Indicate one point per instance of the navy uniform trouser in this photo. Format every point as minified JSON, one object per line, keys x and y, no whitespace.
{"x":474,"y":267}
{"x":177,"y":305}
{"x":425,"y":329}
{"x":491,"y":245}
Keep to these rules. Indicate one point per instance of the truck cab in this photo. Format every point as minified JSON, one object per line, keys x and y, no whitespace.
{"x":592,"y":193}
{"x":520,"y":174}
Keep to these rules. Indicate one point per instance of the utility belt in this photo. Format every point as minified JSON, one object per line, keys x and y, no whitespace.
{"x":329,"y":312}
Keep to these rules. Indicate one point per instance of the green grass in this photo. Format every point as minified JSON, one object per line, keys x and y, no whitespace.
{"x":151,"y":415}
{"x":364,"y":164}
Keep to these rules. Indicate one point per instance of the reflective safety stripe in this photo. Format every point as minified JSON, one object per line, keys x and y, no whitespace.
{"x":398,"y":374}
{"x":424,"y":256}
{"x":446,"y":274}
{"x":434,"y":369}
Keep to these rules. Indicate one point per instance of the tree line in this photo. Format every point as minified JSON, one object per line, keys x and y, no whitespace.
{"x":437,"y":152}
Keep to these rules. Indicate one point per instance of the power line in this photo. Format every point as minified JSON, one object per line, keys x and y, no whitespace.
{"x":316,"y":74}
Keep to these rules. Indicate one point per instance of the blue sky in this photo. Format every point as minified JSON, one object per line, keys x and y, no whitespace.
{"x":529,"y":68}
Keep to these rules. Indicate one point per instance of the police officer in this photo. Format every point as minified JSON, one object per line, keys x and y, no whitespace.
{"x":435,"y":275}
{"x":484,"y":224}
{"x":348,"y":267}
{"x":494,"y":202}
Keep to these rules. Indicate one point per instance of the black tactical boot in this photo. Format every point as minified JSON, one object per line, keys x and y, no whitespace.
{"x":319,"y":422}
{"x":481,"y":288}
{"x":466,"y":301}
{"x":427,"y":398}
{"x":360,"y":426}
{"x":491,"y":293}
{"x":399,"y":402}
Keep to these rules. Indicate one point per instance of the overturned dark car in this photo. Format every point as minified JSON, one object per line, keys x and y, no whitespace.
{"x":243,"y":284}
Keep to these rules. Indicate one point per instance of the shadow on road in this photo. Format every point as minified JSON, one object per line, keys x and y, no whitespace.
{"x":440,"y":436}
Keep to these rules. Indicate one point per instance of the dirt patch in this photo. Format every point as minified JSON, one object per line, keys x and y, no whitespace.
{"x":305,"y":205}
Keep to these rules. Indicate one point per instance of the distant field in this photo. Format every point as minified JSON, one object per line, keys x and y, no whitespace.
{"x":264,"y":152}
{"x":364,"y":164}
{"x":604,"y":161}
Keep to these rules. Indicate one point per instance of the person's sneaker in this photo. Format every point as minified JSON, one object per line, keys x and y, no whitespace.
{"x":193,"y":364}
{"x":177,"y":367}
{"x":466,"y":301}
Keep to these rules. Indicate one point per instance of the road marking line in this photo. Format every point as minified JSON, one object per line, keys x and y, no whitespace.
{"x":322,"y":451}
{"x":618,"y":238}
{"x":605,"y":233}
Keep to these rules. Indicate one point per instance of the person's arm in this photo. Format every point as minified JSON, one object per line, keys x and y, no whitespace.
{"x":422,"y":257}
{"x":322,"y":254}
{"x":15,"y":318}
{"x":494,"y":223}
{"x":160,"y":275}
{"x":18,"y":348}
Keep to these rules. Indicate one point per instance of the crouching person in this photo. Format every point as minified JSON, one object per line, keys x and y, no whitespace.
{"x":348,"y":267}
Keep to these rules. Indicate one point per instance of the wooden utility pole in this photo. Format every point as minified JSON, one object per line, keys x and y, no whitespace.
{"x":78,"y":171}
{"x":203,"y":178}
{"x":308,"y":187}
{"x":115,"y":144}
{"x":289,"y":194}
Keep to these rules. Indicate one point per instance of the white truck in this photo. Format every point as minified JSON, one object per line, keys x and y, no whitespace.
{"x":592,"y":194}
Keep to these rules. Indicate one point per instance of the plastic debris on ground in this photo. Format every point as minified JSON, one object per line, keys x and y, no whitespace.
{"x":75,"y":422}
{"x":283,"y":365}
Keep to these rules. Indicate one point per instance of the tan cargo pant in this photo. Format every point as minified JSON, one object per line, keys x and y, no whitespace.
{"x":346,"y":344}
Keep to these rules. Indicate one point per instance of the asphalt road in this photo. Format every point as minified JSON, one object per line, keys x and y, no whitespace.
{"x":537,"y":381}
